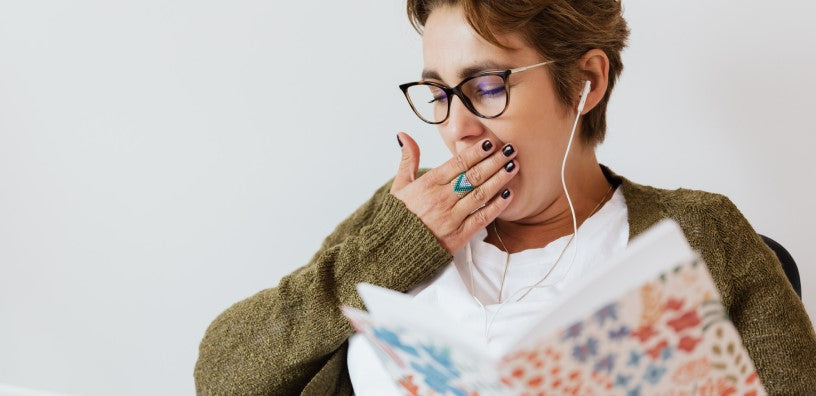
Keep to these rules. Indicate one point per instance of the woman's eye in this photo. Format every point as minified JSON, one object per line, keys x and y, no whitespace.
{"x":492,"y":92}
{"x":440,"y":98}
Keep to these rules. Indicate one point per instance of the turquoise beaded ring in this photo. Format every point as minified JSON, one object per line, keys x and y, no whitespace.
{"x":461,"y":185}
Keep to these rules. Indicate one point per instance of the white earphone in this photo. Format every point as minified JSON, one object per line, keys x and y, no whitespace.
{"x":584,"y":93}
{"x":581,"y":103}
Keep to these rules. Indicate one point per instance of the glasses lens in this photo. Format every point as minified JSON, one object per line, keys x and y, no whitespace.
{"x":429,"y":102}
{"x":487,"y":94}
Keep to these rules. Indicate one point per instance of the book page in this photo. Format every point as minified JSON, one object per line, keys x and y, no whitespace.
{"x":420,"y":348}
{"x":662,"y":247}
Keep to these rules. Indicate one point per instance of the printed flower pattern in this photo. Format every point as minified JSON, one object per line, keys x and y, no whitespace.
{"x":608,"y":312}
{"x":391,"y":338}
{"x":685,"y":321}
{"x":438,"y":380}
{"x":643,"y":333}
{"x":668,"y":338}
{"x":585,"y":351}
{"x":654,"y":352}
{"x":688,"y":343}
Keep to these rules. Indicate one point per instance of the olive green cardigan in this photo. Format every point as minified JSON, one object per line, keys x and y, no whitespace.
{"x":292,"y":339}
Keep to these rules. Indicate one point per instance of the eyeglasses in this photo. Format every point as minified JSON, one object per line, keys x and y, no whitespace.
{"x":486,"y":95}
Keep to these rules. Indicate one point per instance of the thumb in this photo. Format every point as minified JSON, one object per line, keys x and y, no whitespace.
{"x":409,"y":164}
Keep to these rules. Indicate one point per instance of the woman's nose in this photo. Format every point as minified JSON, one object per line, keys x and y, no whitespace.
{"x":461,"y":123}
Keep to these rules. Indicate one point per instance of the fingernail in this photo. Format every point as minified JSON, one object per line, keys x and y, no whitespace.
{"x":399,"y":141}
{"x":508,"y":150}
{"x":505,"y":193}
{"x":486,"y":146}
{"x":510,"y":166}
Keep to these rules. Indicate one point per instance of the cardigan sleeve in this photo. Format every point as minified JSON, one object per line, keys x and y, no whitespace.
{"x":275,"y":341}
{"x":765,"y":309}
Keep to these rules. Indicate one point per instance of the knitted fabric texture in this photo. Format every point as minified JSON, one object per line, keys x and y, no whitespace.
{"x":292,"y":339}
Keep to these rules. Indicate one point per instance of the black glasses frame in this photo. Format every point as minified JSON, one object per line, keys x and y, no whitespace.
{"x":457,"y":91}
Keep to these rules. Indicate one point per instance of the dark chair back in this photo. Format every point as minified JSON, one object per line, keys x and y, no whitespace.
{"x":788,"y":265}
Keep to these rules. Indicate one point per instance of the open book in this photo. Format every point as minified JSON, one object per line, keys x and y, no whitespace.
{"x":652,"y":325}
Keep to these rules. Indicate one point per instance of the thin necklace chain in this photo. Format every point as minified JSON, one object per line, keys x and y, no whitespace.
{"x":507,"y":260}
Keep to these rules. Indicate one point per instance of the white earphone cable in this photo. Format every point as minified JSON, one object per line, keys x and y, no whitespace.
{"x":469,"y":253}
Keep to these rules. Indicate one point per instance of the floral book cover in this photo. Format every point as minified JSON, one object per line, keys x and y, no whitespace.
{"x":654,"y":326}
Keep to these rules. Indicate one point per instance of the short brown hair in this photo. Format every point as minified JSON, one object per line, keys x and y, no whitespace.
{"x":560,"y":30}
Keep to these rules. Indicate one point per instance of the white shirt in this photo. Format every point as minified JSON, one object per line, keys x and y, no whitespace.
{"x":600,"y":237}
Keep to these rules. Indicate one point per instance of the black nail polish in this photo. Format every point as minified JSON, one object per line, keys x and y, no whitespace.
{"x":510,"y":166}
{"x":486,"y":146}
{"x":508,"y":150}
{"x":505,"y":193}
{"x":399,"y":141}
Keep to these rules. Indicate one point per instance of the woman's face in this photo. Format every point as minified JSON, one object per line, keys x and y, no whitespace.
{"x":534,"y":122}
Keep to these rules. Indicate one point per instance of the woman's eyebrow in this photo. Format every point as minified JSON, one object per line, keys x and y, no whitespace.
{"x":468,"y":71}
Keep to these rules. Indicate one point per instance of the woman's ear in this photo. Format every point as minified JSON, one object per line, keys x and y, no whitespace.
{"x":594,"y":66}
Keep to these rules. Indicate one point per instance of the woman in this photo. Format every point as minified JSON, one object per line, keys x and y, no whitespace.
{"x":536,"y":178}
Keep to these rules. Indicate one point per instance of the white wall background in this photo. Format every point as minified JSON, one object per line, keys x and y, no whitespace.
{"x":161,"y":160}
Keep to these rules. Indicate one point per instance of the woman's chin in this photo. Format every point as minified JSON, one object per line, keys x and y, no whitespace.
{"x":511,"y":213}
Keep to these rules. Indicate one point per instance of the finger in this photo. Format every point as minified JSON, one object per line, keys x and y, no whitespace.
{"x":483,"y":216}
{"x":463,"y":161}
{"x":409,"y":164}
{"x":482,"y":171}
{"x":490,"y":187}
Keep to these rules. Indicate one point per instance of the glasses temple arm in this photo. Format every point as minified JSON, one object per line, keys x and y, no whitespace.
{"x":523,"y":68}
